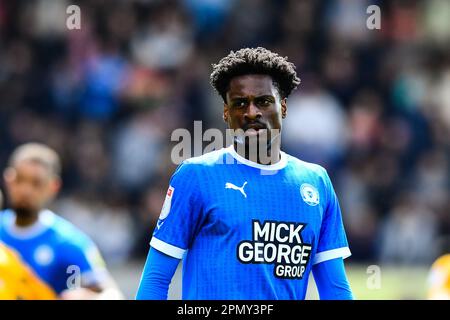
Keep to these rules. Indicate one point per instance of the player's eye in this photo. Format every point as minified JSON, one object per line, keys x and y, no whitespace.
{"x":240,"y":104}
{"x":264,"y":102}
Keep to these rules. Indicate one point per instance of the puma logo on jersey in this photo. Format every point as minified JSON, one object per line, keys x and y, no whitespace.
{"x":159,"y":224}
{"x":229,"y":185}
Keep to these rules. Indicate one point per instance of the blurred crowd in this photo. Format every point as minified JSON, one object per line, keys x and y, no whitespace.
{"x":373,"y":107}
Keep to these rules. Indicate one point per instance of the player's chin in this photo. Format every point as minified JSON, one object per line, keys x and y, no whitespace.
{"x":256,"y":143}
{"x":257,"y":135}
{"x":253,"y":133}
{"x":24,"y":209}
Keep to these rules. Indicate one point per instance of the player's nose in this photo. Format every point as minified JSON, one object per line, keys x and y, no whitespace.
{"x":252,"y":112}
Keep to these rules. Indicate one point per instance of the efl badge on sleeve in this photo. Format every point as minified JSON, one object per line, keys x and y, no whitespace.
{"x":167,"y":203}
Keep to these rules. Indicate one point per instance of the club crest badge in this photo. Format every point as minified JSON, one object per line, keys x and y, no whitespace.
{"x":309,"y":194}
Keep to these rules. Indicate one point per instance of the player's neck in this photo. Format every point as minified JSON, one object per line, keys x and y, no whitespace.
{"x":27,"y":220}
{"x":265,"y":157}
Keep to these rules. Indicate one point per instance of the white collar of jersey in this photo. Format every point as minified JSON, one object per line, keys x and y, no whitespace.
{"x":276,"y":166}
{"x":45,"y":220}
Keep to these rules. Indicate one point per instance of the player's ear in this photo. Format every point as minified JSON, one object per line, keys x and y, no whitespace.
{"x":283,"y":108}
{"x":225,"y":112}
{"x":56,"y":185}
{"x":8,"y":175}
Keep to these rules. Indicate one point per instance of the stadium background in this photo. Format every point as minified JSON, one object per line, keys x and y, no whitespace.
{"x":373,"y":108}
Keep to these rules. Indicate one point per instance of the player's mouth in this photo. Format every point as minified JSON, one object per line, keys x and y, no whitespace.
{"x":254,"y":129}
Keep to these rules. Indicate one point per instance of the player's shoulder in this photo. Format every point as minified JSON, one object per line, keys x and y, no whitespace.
{"x":208,"y":160}
{"x":310,"y":173}
{"x":64,"y":232}
{"x":3,"y":214}
{"x":7,"y":218}
{"x":309,"y":167}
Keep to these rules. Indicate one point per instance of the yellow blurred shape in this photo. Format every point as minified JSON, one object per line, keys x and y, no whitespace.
{"x":18,"y":281}
{"x":439,"y":279}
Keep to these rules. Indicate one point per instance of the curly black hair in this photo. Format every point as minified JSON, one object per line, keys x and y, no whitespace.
{"x":254,"y":61}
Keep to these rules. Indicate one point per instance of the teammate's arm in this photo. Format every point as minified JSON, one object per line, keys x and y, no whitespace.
{"x":105,"y":291}
{"x":96,"y":281}
{"x":156,"y":276}
{"x":331,"y":280}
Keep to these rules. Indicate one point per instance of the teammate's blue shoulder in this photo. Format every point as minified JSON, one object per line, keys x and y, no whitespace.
{"x":3,"y":212}
{"x":6,"y":216}
{"x":68,"y":233}
{"x":6,"y":212}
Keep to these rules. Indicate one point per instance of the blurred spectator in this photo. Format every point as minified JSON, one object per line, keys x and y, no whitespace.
{"x":364,"y":122}
{"x":111,"y":227}
{"x":436,"y":25}
{"x":208,"y":16}
{"x":49,"y":19}
{"x":165,"y":41}
{"x":136,"y":151}
{"x":315,"y":129}
{"x":409,"y":233}
{"x":346,"y":20}
{"x":104,"y":76}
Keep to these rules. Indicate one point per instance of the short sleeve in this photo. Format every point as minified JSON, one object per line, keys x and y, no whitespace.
{"x":181,"y":214}
{"x":332,"y":239}
{"x":84,"y":255}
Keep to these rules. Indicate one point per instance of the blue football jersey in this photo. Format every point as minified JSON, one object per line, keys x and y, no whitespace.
{"x":59,"y":253}
{"x":249,"y":231}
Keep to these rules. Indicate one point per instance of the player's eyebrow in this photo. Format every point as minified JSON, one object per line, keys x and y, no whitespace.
{"x":264,"y":96}
{"x":238,"y":99}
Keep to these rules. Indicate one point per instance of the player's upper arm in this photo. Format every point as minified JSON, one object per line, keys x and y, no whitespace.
{"x":82,"y":256}
{"x":332,"y":241}
{"x":182,"y":212}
